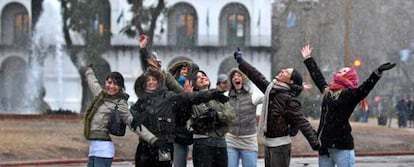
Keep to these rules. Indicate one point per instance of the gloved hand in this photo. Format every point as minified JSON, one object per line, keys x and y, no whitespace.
{"x":219,"y":96}
{"x":315,"y":147}
{"x":161,"y":143}
{"x":385,"y":67}
{"x":238,"y":55}
{"x":210,"y":116}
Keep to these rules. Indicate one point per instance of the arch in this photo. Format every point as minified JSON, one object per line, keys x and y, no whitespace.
{"x":12,"y":79}
{"x":15,"y":24}
{"x":234,"y":25}
{"x":226,"y":65}
{"x":182,"y":25}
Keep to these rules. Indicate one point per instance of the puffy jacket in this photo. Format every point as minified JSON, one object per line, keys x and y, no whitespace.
{"x":244,"y":104}
{"x":283,"y":109}
{"x":334,"y":129}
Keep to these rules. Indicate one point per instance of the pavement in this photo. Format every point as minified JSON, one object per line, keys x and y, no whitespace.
{"x":361,"y":161}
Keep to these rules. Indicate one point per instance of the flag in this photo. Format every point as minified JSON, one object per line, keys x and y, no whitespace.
{"x":121,"y":15}
{"x":291,"y":19}
{"x":96,"y":22}
{"x":258,"y":20}
{"x":207,"y":20}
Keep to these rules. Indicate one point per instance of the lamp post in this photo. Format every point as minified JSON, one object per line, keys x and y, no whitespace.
{"x":347,"y":40}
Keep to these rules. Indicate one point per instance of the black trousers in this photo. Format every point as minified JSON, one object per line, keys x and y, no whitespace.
{"x":147,"y":156}
{"x":209,"y":156}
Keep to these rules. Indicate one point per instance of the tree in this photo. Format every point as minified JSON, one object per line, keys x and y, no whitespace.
{"x":144,"y":17}
{"x":85,"y":18}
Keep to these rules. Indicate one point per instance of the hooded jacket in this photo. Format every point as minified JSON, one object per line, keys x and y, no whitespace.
{"x":244,"y":105}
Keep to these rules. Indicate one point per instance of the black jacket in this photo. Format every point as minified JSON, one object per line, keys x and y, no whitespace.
{"x":334,"y":129}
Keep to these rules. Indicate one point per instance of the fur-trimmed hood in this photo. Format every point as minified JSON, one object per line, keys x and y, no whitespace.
{"x":175,"y":69}
{"x":140,"y":82}
{"x":246,"y":81}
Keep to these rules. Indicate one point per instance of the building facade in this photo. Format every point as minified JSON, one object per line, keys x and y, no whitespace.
{"x":206,"y":32}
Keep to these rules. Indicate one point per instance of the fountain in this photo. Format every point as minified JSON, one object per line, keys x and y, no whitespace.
{"x":47,"y":40}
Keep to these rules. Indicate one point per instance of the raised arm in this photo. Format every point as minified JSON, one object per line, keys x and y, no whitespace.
{"x":252,"y":73}
{"x":313,"y":69}
{"x":363,"y":90}
{"x":92,"y":81}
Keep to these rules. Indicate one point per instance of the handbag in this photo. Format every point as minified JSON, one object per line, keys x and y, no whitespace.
{"x":115,"y":124}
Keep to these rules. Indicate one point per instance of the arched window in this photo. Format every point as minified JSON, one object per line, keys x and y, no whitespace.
{"x":12,"y":80}
{"x":15,"y":23}
{"x":182,"y":25}
{"x":234,"y":25}
{"x":101,"y":22}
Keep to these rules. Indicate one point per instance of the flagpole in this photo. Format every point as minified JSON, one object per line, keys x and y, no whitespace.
{"x":208,"y":27}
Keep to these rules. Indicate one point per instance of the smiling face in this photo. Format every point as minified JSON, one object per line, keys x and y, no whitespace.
{"x":151,"y":84}
{"x":184,"y":71}
{"x":237,"y":81}
{"x":284,"y":75}
{"x":202,"y":81}
{"x":111,"y":87}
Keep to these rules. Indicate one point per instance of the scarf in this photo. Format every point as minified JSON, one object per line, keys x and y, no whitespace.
{"x":92,"y":108}
{"x":348,"y":80}
{"x":265,"y":106}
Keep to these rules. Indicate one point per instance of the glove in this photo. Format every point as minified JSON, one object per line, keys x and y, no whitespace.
{"x":161,"y":143}
{"x":315,"y":147}
{"x":219,"y":96}
{"x":210,"y":116}
{"x":385,"y":67}
{"x":238,"y":55}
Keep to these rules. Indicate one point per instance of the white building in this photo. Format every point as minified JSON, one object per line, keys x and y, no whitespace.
{"x":206,"y":32}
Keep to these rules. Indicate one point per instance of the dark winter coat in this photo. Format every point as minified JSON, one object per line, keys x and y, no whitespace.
{"x":283,"y":110}
{"x":334,"y":129}
{"x":156,"y":111}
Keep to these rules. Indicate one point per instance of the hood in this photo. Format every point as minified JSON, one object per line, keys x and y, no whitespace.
{"x":246,"y":81}
{"x":174,"y":69}
{"x":140,"y":82}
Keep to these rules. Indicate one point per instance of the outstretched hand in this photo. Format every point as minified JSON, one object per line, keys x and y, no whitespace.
{"x":306,"y":51}
{"x":238,"y":55}
{"x":386,"y":66}
{"x":143,"y":40}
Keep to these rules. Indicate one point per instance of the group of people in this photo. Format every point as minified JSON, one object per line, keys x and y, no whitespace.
{"x":177,"y":108}
{"x":405,"y":112}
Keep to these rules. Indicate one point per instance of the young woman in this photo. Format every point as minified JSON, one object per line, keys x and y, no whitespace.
{"x":242,"y":137}
{"x":281,"y":116}
{"x":101,"y":148}
{"x":340,"y":97}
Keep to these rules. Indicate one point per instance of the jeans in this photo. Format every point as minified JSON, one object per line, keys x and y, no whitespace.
{"x":342,"y":158}
{"x":99,"y":162}
{"x":278,"y":156}
{"x":180,"y":155}
{"x":248,"y":157}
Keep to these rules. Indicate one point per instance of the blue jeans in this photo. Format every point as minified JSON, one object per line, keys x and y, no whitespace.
{"x":342,"y":158}
{"x":180,"y":155}
{"x":248,"y":157}
{"x":99,"y":162}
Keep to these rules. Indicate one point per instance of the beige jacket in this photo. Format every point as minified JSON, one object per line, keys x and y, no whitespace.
{"x":101,"y":117}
